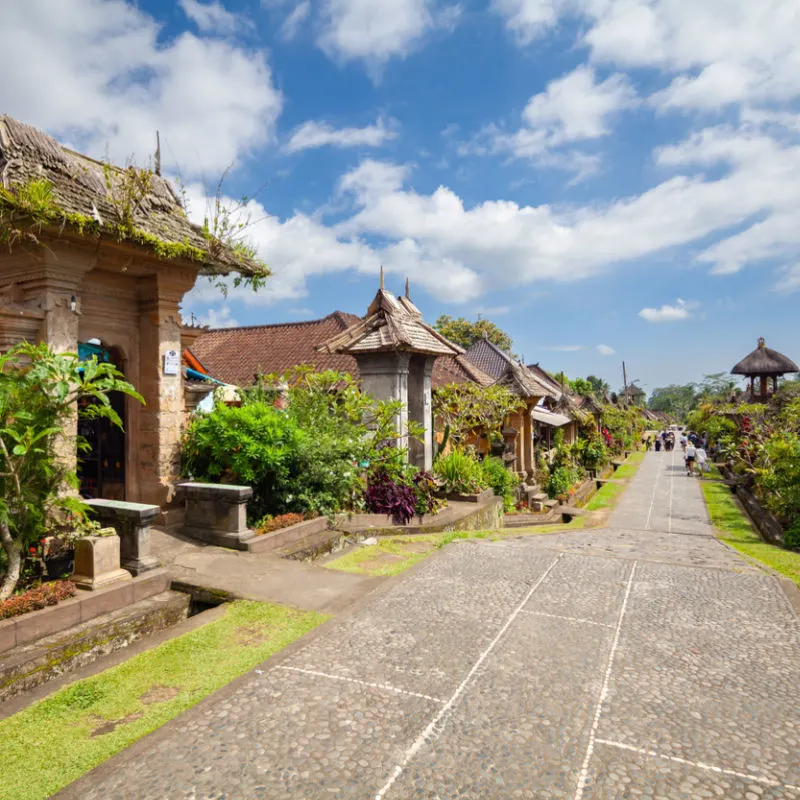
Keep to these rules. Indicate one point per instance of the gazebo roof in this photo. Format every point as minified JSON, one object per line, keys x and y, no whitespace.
{"x":391,"y":324}
{"x":632,"y":390}
{"x":763,"y":361}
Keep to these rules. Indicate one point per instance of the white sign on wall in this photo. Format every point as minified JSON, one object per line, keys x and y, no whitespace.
{"x":172,"y":362}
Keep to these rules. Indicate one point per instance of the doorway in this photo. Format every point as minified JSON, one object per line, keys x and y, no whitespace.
{"x":101,"y":464}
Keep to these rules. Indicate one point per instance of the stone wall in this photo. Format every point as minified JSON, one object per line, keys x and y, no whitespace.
{"x":766,"y":524}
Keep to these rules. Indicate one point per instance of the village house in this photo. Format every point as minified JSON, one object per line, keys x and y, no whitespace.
{"x":96,"y":259}
{"x":391,"y":350}
{"x":519,"y":428}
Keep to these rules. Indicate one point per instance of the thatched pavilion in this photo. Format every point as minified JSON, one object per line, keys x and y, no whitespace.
{"x":764,"y":364}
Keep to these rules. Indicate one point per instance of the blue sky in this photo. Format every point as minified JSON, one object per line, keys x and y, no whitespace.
{"x":605,"y":179}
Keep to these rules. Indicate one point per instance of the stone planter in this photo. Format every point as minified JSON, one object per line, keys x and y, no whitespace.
{"x":97,"y":563}
{"x":480,"y":497}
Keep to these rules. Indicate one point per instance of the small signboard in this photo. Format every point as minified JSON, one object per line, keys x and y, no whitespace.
{"x":172,"y":362}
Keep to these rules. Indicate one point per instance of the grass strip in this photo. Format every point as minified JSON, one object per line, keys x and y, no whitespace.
{"x":55,"y":741}
{"x":395,"y":554}
{"x":735,"y":528}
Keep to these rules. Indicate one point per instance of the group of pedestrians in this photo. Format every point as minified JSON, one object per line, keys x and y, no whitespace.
{"x":693,"y":446}
{"x":665,"y":440}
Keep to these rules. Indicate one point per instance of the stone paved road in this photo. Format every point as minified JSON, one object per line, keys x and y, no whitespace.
{"x":645,"y":660}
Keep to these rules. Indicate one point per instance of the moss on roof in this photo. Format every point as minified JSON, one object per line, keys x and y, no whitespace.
{"x":45,"y":186}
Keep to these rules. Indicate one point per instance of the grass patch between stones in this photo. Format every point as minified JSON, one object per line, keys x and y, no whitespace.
{"x":735,"y":528}
{"x":55,"y":741}
{"x":628,"y":469}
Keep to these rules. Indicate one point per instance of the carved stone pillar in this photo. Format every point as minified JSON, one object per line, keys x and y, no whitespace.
{"x":161,"y":419}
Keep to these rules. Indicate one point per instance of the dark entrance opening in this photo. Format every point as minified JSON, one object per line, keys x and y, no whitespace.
{"x":101,"y":466}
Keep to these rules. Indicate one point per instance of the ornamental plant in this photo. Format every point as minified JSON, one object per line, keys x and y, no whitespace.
{"x":503,"y":482}
{"x":39,"y":394}
{"x":385,"y":495}
{"x":460,"y":472}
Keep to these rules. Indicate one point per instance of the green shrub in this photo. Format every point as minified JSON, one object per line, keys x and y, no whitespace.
{"x":561,"y":480}
{"x":792,"y":536}
{"x":460,"y":472}
{"x":503,"y":482}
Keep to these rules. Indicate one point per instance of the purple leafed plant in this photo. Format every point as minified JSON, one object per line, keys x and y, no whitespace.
{"x":384,"y":496}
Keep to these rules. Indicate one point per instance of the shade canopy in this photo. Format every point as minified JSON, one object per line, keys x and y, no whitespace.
{"x":764,"y":361}
{"x":549,"y":417}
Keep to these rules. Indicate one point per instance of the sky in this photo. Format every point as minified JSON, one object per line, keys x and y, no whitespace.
{"x":607,"y":180}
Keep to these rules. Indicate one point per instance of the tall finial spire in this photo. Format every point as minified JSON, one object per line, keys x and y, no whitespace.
{"x":407,"y":292}
{"x":761,"y":342}
{"x":381,"y":276}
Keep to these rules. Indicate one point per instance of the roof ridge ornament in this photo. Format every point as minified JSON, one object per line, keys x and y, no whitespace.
{"x":761,"y":343}
{"x":382,"y":286}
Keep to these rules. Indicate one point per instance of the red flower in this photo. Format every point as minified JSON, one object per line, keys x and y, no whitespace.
{"x":32,"y":549}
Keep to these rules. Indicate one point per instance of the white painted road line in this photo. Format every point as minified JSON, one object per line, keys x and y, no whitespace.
{"x":653,"y":499}
{"x":700,"y":765}
{"x":426,"y":734}
{"x":568,"y":619}
{"x":584,"y":774}
{"x":384,"y":686}
{"x":671,"y":487}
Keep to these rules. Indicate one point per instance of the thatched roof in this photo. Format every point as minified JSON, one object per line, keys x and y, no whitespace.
{"x":763,"y":361}
{"x":632,"y":390}
{"x":90,"y":192}
{"x":391,"y":324}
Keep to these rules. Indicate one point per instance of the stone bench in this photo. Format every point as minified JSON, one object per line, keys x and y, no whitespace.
{"x":132,"y":523}
{"x":216,"y":513}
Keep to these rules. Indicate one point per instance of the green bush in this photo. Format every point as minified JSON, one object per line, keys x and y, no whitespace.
{"x":306,"y":457}
{"x":460,"y":472}
{"x":503,"y":482}
{"x":256,"y":445}
{"x":792,"y":536}
{"x":561,"y":480}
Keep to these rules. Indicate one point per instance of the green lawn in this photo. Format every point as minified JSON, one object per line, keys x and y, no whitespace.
{"x":628,"y":469}
{"x":736,"y":529}
{"x":55,"y":741}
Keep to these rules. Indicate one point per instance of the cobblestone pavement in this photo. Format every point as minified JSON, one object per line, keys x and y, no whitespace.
{"x":641,"y":661}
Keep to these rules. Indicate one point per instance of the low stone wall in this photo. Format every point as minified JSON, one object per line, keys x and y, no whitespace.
{"x":284,"y":538}
{"x":466,"y":516}
{"x":27,"y":667}
{"x":34,"y":625}
{"x":770,"y":529}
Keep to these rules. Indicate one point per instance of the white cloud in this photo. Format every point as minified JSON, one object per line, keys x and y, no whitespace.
{"x":528,"y":19}
{"x":605,"y":350}
{"x":789,"y":280}
{"x":294,"y":21}
{"x":375,"y":31}
{"x":104,"y":80}
{"x":573,"y":108}
{"x":210,"y":17}
{"x":221,"y":318}
{"x":667,"y":313}
{"x":313,"y":134}
{"x":718,"y":51}
{"x":456,"y":251}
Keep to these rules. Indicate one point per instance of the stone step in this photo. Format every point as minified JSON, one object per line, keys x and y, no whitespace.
{"x":27,"y":666}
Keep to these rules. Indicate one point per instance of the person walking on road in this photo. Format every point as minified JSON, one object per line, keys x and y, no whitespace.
{"x":684,"y":442}
{"x":691,"y":455}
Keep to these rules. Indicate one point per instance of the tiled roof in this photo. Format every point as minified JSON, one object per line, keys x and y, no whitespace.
{"x":546,"y":378}
{"x":80,"y":186}
{"x":507,"y":371}
{"x":488,"y":357}
{"x":391,"y":323}
{"x":237,"y":355}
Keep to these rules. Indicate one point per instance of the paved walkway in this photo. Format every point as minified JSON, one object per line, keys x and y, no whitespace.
{"x":645,"y":660}
{"x":260,"y":576}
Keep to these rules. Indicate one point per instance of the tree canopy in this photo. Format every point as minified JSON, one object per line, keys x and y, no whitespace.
{"x":465,"y":332}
